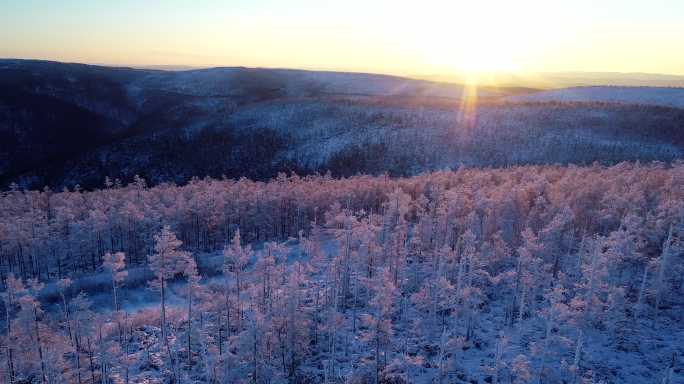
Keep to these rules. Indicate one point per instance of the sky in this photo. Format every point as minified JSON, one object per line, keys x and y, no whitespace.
{"x":421,"y":37}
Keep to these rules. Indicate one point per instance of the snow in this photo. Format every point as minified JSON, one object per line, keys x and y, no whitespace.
{"x":659,"y":96}
{"x":236,"y":81}
{"x":635,"y":363}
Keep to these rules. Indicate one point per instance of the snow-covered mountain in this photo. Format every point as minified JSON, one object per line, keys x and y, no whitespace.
{"x":67,"y":124}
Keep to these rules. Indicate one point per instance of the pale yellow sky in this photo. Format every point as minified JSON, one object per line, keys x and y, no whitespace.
{"x":401,"y":37}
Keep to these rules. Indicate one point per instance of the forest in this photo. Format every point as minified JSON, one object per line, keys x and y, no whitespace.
{"x":521,"y":274}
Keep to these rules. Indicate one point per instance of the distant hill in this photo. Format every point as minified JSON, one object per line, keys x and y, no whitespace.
{"x":667,"y":97}
{"x":555,"y":80}
{"x":67,"y":124}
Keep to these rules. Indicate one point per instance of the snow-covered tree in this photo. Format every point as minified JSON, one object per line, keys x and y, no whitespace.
{"x":115,"y":264}
{"x":235,"y":259}
{"x":166,"y":262}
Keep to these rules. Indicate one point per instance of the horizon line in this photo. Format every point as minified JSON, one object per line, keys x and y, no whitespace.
{"x":187,"y":67}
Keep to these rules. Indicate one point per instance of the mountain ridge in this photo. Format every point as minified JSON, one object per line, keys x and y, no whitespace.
{"x":66,"y":124}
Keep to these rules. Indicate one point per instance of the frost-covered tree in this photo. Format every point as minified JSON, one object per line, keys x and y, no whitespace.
{"x":115,"y":264}
{"x":521,"y":370}
{"x":235,"y":259}
{"x":30,"y":316}
{"x":554,"y":316}
{"x":14,"y":289}
{"x":189,"y":270}
{"x":593,"y":288}
{"x":663,"y":265}
{"x":528,"y":275}
{"x":379,"y":320}
{"x":166,"y":261}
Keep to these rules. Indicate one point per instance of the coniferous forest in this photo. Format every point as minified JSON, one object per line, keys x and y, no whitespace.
{"x":531,"y":274}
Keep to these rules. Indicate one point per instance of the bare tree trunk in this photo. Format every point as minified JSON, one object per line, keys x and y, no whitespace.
{"x":92,"y":363}
{"x":255,"y":371}
{"x":126,"y":349}
{"x":662,"y":271}
{"x":162,"y":319}
{"x":189,"y":324}
{"x":237,"y":298}
{"x":66,"y":316}
{"x":39,"y":345}
{"x":78,"y":364}
{"x":642,"y":291}
{"x":10,"y":359}
{"x":578,"y":354}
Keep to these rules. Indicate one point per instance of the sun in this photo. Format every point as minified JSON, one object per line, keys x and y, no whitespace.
{"x":479,"y":57}
{"x":474,"y":60}
{"x":480,"y":52}
{"x":469,"y":39}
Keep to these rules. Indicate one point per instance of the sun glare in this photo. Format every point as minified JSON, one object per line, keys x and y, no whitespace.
{"x":477,"y":56}
{"x":466,"y":46}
